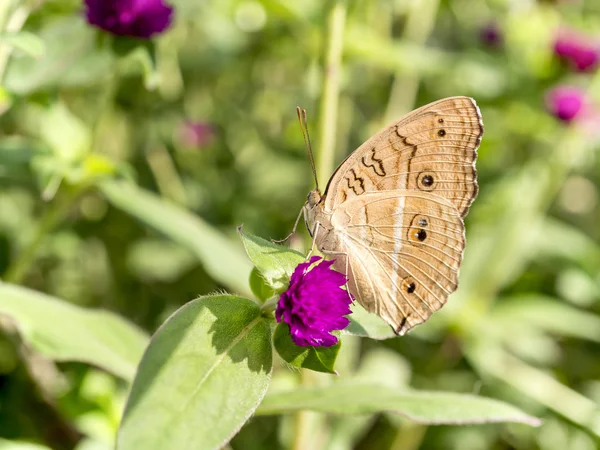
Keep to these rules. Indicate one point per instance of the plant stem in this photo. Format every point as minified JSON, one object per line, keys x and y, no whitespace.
{"x":328,"y":110}
{"x":51,"y":218}
{"x":420,"y":22}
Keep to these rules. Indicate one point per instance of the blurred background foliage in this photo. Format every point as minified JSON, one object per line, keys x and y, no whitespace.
{"x":126,"y":166}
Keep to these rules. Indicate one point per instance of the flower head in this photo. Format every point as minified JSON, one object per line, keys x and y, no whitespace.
{"x":566,"y":102}
{"x":196,"y":134}
{"x":491,"y":35}
{"x":315,"y":304}
{"x":578,"y":50}
{"x":135,"y":18}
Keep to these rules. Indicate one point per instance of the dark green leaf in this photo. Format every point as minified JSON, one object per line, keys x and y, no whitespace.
{"x":259,"y":287}
{"x":320,"y":359}
{"x":206,"y":370}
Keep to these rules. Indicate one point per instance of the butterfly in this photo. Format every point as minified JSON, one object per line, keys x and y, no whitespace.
{"x":392,"y":212}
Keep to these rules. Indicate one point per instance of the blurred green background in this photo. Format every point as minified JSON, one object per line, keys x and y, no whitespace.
{"x":125,"y":168}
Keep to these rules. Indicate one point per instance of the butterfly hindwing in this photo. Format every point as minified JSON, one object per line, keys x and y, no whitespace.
{"x":403,"y":251}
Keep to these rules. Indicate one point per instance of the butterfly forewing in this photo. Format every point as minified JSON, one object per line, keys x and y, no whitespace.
{"x":432,"y":149}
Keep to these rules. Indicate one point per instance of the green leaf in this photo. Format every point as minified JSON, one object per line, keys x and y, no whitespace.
{"x":259,"y":287}
{"x":65,"y":332}
{"x":223,"y":260}
{"x":24,"y":41}
{"x":363,"y":323}
{"x":275,"y":262}
{"x":549,"y":314}
{"x":71,"y":58}
{"x":319,"y":359}
{"x":5,"y":444}
{"x":433,"y":408}
{"x":206,"y":370}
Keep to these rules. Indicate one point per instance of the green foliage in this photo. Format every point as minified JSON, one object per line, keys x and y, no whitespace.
{"x":203,"y":374}
{"x":65,"y":332}
{"x":115,"y":211}
{"x":319,"y":359}
{"x":433,"y":408}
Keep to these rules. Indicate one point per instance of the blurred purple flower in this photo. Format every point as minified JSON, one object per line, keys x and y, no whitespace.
{"x":580,"y":51}
{"x":491,"y":35}
{"x":315,"y":304}
{"x":566,"y":102}
{"x":135,"y":18}
{"x":196,"y":134}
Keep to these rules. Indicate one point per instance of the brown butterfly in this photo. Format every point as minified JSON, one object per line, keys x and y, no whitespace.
{"x":392,"y":213}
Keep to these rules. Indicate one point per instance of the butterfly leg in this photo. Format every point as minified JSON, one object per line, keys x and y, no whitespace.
{"x":281,"y":241}
{"x":314,"y":240}
{"x":328,"y":253}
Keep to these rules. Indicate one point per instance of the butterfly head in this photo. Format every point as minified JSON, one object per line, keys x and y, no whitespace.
{"x":313,"y":199}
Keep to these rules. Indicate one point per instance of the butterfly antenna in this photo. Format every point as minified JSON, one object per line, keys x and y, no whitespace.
{"x":306,"y":136}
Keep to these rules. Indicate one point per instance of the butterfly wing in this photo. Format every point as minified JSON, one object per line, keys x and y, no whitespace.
{"x":432,"y":149}
{"x":401,"y":250}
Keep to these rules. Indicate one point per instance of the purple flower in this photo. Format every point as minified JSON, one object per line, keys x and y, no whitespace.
{"x":135,"y":18}
{"x":315,"y":304}
{"x":196,"y":134}
{"x":578,"y":50}
{"x":491,"y":35}
{"x":566,"y":102}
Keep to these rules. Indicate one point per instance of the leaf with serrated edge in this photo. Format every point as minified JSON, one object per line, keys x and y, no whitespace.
{"x":275,"y":262}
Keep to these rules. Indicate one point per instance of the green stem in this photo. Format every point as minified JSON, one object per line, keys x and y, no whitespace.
{"x":420,"y":22}
{"x":51,"y":218}
{"x":328,"y":110}
{"x":307,"y":430}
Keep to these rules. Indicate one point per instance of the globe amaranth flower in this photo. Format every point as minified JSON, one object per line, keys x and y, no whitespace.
{"x":196,"y":134}
{"x":580,"y":51}
{"x":315,"y":304}
{"x":566,"y":102}
{"x":491,"y":35}
{"x":134,"y":18}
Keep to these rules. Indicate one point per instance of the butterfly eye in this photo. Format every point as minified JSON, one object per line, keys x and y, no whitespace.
{"x":442,"y":133}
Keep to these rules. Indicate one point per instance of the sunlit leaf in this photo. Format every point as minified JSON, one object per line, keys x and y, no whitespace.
{"x":275,"y":262}
{"x":205,"y":371}
{"x":434,"y":408}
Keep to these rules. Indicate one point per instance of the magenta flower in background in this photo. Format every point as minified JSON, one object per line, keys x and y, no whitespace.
{"x":566,"y":102}
{"x":578,"y":50}
{"x":134,"y":18}
{"x":196,"y":134}
{"x":491,"y":35}
{"x":315,"y":304}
